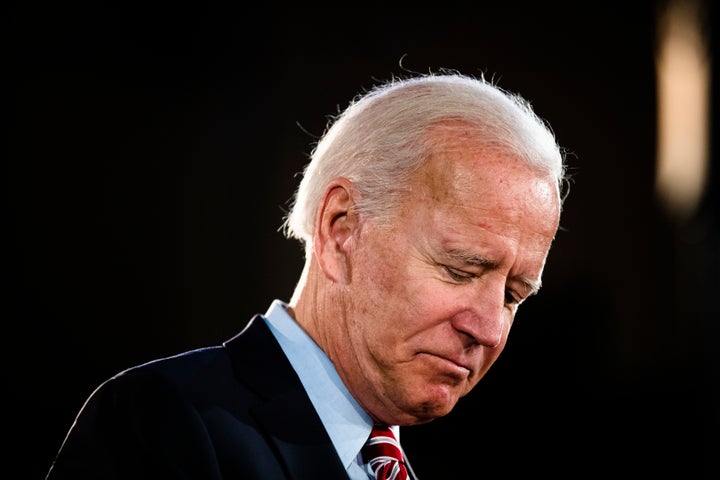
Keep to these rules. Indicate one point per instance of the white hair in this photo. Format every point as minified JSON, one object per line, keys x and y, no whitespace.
{"x":381,"y":139}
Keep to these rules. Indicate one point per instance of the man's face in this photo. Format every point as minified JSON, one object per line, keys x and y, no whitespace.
{"x":432,"y":297}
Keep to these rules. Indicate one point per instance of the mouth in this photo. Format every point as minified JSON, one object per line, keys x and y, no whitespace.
{"x":451,"y":366}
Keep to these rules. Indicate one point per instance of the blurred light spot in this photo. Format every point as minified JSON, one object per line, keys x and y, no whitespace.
{"x":683,"y":82}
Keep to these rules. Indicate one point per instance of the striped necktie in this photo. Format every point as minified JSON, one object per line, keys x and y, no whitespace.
{"x":383,"y":455}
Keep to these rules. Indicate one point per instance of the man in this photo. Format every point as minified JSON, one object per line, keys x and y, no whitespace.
{"x":427,"y":213}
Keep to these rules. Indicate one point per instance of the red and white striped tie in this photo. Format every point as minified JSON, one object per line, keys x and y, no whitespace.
{"x":383,"y":455}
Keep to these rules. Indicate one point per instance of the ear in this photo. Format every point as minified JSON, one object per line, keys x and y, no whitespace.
{"x":337,"y":223}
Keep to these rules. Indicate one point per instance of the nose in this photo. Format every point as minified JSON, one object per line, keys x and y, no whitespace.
{"x":484,"y":316}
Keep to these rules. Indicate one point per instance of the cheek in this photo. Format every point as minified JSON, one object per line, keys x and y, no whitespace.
{"x":378,"y":269}
{"x":385,"y":292}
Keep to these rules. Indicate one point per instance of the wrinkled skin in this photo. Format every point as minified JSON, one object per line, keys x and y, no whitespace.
{"x":414,"y":314}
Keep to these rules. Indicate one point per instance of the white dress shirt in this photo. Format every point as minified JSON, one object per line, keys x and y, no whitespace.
{"x":345,"y":421}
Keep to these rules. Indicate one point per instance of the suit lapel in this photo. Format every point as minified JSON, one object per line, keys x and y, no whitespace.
{"x":300,"y":438}
{"x":411,"y":472}
{"x":285,"y":413}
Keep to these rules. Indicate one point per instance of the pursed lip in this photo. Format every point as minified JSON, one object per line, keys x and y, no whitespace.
{"x":457,"y":362}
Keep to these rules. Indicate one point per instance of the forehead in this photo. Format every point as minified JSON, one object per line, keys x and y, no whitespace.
{"x":481,"y":178}
{"x":476,"y":197}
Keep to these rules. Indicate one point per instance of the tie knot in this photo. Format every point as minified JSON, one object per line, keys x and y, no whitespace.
{"x":383,"y":455}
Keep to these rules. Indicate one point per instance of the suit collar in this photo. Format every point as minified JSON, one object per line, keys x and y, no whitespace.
{"x":285,"y":413}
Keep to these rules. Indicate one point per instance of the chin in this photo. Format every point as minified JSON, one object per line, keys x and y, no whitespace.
{"x":438,"y":402}
{"x":427,"y":415}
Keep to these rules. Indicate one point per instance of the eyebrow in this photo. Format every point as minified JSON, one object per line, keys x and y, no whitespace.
{"x":532,"y":285}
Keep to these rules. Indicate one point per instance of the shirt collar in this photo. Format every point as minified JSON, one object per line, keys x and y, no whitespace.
{"x":347,"y":424}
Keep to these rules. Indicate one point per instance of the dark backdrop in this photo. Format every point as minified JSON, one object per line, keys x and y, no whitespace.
{"x":152,"y":153}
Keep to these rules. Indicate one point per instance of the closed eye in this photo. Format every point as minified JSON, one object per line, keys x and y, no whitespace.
{"x":458,"y":275}
{"x":512,"y":298}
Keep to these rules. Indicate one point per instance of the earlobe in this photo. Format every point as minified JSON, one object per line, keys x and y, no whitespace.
{"x":336,"y":222}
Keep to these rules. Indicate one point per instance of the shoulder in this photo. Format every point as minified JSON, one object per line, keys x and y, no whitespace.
{"x":180,"y":377}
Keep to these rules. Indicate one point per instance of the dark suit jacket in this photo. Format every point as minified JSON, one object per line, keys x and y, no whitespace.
{"x":232,"y":411}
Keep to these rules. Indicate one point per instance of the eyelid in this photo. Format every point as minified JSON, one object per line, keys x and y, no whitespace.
{"x":528,"y":287}
{"x":458,"y":273}
{"x":513,"y":299}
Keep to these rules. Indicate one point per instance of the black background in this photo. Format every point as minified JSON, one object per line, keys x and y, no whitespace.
{"x":152,"y":153}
